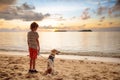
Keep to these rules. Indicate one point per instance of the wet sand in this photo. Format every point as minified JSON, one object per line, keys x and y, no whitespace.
{"x":15,"y":67}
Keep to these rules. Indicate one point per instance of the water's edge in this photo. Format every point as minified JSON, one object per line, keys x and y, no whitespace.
{"x":68,"y":57}
{"x":92,"y":53}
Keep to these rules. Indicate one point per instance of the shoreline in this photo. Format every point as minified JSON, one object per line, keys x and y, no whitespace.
{"x":91,"y":53}
{"x":68,"y":57}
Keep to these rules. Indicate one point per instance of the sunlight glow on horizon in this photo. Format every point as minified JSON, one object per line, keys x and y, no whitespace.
{"x":49,"y":22}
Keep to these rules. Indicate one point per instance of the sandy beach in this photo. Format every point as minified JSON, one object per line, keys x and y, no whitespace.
{"x":15,"y":67}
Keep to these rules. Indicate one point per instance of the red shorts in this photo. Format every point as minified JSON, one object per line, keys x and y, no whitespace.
{"x":33,"y":53}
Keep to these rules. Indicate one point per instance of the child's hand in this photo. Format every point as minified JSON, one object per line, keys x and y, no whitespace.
{"x":38,"y":53}
{"x":38,"y":49}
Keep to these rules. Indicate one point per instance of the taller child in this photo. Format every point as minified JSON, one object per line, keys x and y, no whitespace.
{"x":33,"y":45}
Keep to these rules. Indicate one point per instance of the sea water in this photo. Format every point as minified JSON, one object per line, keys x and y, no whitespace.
{"x":64,"y":41}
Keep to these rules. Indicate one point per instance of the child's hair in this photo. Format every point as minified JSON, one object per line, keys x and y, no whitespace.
{"x":33,"y":25}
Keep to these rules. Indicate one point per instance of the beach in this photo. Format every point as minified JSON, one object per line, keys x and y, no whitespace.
{"x":15,"y":67}
{"x":85,"y":33}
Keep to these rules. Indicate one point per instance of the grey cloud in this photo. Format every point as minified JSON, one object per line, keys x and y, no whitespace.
{"x":23,"y":13}
{"x":102,"y":18}
{"x":60,"y":19}
{"x":111,"y":11}
{"x":101,"y":10}
{"x":25,"y":6}
{"x":117,"y":6}
{"x":47,"y":15}
{"x":85,"y":15}
{"x":4,"y":4}
{"x":7,"y":2}
{"x":115,"y":10}
{"x":117,"y":15}
{"x":32,"y":16}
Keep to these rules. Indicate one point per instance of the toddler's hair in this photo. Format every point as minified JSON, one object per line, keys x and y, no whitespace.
{"x":33,"y":25}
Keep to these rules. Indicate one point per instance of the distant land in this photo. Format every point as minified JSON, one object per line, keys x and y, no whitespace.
{"x":73,"y":30}
{"x":55,"y":29}
{"x":106,"y":29}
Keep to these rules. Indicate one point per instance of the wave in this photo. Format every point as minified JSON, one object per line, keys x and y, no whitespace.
{"x":13,"y":50}
{"x":91,"y":53}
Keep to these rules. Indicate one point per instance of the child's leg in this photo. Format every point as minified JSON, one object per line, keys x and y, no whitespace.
{"x":31,"y":64}
{"x":34,"y":63}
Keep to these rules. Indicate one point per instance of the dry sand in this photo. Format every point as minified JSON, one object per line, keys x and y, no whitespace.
{"x":16,"y":68}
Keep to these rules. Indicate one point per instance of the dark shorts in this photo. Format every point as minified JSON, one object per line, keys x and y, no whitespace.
{"x":33,"y":53}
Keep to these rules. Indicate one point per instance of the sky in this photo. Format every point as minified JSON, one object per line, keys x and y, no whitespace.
{"x":70,"y":14}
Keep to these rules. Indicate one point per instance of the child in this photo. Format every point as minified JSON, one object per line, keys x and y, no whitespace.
{"x":33,"y":45}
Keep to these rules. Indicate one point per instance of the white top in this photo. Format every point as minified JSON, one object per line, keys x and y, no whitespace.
{"x":31,"y":37}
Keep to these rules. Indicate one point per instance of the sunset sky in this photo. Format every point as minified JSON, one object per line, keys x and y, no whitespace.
{"x":73,"y":14}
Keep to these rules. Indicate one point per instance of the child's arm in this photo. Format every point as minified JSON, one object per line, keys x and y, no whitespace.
{"x":28,"y":44}
{"x":27,"y":39}
{"x":38,"y":45}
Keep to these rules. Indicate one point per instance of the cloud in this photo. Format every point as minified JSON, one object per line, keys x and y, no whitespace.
{"x":115,"y":10}
{"x":102,"y":18}
{"x":111,"y":11}
{"x":101,"y":9}
{"x":117,"y":15}
{"x":4,"y":4}
{"x":7,"y":2}
{"x":25,"y":6}
{"x":57,"y":17}
{"x":46,"y":15}
{"x":110,"y":23}
{"x":23,"y":12}
{"x":116,"y":7}
{"x":85,"y":15}
{"x":60,"y":19}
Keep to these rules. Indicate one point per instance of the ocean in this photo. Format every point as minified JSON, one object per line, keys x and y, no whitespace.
{"x":64,"y":41}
